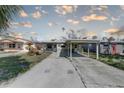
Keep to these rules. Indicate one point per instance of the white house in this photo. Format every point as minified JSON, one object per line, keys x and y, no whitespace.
{"x":13,"y":44}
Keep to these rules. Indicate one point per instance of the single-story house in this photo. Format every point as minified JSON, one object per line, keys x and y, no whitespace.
{"x":113,"y":47}
{"x":97,"y":46}
{"x":13,"y":44}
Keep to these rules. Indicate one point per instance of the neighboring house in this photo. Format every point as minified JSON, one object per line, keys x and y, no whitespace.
{"x":13,"y":44}
{"x":115,"y":47}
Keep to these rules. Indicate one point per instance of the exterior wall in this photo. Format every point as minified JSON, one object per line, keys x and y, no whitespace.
{"x":18,"y":46}
{"x":6,"y":46}
{"x":49,"y":47}
{"x":119,"y":49}
{"x":1,"y":45}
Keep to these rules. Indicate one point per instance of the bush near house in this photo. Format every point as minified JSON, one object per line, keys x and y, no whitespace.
{"x":12,"y":66}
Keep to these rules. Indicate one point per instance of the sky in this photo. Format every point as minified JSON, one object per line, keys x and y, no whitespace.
{"x":45,"y":22}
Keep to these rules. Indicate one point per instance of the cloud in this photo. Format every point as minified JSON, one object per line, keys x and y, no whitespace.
{"x":74,"y":22}
{"x":111,"y":30}
{"x":100,"y":8}
{"x":24,"y":24}
{"x":90,"y":34}
{"x":57,"y":35}
{"x":33,"y":33}
{"x":113,"y":20}
{"x":39,"y":8}
{"x":44,"y":12}
{"x":65,"y":9}
{"x":37,"y":14}
{"x":50,"y":24}
{"x":23,"y":14}
{"x":17,"y":35}
{"x":104,"y":6}
{"x":94,"y":17}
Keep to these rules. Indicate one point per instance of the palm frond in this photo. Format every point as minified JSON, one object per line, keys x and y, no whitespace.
{"x":7,"y":13}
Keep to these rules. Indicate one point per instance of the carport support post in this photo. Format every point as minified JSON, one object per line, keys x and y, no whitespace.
{"x":97,"y":51}
{"x":57,"y":49}
{"x":88,"y":51}
{"x":71,"y":51}
{"x":68,"y":50}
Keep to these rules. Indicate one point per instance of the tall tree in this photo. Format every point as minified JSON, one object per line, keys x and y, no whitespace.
{"x":7,"y":13}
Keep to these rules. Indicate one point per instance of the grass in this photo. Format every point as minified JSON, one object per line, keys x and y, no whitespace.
{"x":12,"y":66}
{"x":112,"y":60}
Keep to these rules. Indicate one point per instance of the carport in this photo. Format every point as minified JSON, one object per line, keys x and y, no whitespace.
{"x":70,"y":43}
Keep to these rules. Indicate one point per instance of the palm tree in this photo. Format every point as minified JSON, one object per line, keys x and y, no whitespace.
{"x":7,"y":13}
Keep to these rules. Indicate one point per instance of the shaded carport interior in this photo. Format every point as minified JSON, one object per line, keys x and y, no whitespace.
{"x":70,"y":47}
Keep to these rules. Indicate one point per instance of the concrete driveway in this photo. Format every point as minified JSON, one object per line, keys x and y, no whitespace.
{"x":97,"y":74}
{"x":59,"y":72}
{"x":53,"y":72}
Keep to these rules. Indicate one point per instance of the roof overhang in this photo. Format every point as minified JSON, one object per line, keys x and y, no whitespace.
{"x":113,"y":42}
{"x":79,"y":41}
{"x":50,"y":42}
{"x":9,"y":41}
{"x":75,"y":41}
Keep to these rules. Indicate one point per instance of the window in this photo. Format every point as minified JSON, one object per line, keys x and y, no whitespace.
{"x":11,"y":45}
{"x":1,"y":45}
{"x":19,"y":46}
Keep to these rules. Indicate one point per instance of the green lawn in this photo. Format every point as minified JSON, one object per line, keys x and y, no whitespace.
{"x":113,"y":60}
{"x":11,"y":66}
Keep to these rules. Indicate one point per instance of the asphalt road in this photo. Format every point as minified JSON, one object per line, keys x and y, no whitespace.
{"x":59,"y":72}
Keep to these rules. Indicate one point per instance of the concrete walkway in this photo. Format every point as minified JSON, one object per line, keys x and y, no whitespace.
{"x":54,"y":71}
{"x":98,"y":74}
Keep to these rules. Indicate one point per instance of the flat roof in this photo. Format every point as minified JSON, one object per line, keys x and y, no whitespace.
{"x":51,"y":42}
{"x":82,"y":41}
{"x":79,"y":41}
{"x":113,"y":42}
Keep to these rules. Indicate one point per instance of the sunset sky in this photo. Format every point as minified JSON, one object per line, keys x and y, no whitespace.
{"x":46,"y":22}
